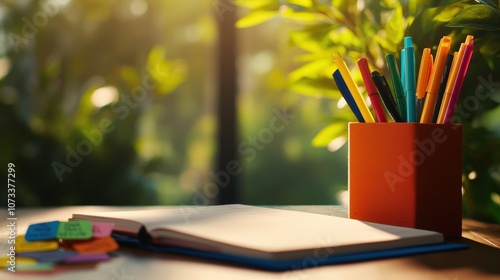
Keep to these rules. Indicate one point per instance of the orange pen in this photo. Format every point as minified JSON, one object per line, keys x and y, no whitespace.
{"x":424,"y":73}
{"x":455,"y":65}
{"x":435,"y":79}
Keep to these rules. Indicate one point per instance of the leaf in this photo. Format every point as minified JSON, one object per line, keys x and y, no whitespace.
{"x":477,"y":17}
{"x":302,"y":3}
{"x":255,"y":4}
{"x":344,"y":36}
{"x":322,"y":87}
{"x":167,"y":75}
{"x":489,"y":44}
{"x":313,"y":69}
{"x":490,"y":4}
{"x":395,"y":28}
{"x":304,"y":17}
{"x":130,"y":76}
{"x":385,"y":44}
{"x":390,"y":3}
{"x":255,"y":18}
{"x":311,"y":39}
{"x":327,"y":134}
{"x":447,"y":13}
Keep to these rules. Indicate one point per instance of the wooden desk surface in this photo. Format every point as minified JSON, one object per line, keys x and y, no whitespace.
{"x":481,"y":261}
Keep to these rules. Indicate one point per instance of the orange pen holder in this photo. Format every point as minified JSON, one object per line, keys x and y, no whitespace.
{"x":407,"y":174}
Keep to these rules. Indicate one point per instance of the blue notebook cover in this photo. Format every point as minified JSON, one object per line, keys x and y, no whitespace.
{"x":283,"y":265}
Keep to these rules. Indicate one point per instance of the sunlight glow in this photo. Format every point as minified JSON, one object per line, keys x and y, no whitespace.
{"x":103,"y":96}
{"x":343,"y":197}
{"x":63,"y":3}
{"x":138,"y":7}
{"x":496,"y":198}
{"x":336,"y":144}
{"x":4,"y":67}
{"x":360,"y":5}
{"x":193,"y":33}
{"x":341,"y":103}
{"x":368,"y":101}
{"x":472,"y":175}
{"x":262,"y":62}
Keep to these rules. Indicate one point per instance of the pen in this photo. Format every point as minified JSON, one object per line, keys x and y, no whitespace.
{"x":341,"y":65}
{"x":423,"y":78}
{"x":444,"y":79}
{"x":387,"y":97}
{"x":396,"y":84}
{"x":452,"y":77}
{"x":457,"y":87}
{"x":409,"y":81}
{"x":402,"y":69}
{"x":435,"y":79}
{"x":337,"y":77}
{"x":371,"y":89}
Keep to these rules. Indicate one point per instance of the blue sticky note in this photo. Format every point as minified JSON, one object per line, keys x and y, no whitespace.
{"x":49,"y":256}
{"x":42,"y":231}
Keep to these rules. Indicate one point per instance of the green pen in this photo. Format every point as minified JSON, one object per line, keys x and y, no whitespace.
{"x":396,"y":84}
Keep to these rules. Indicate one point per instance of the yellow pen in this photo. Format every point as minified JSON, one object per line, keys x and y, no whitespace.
{"x":455,"y":65}
{"x":435,"y":79}
{"x":353,"y":88}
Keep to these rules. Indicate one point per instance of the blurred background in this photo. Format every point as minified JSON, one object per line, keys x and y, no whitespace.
{"x":117,"y":102}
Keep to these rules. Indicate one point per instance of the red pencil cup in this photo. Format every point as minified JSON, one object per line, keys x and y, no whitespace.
{"x":407,"y":174}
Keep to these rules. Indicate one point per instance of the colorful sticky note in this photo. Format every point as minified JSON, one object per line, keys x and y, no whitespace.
{"x":23,"y":246}
{"x":39,"y":266}
{"x":50,"y":256}
{"x":11,"y":262}
{"x":102,"y":229}
{"x":96,"y":245}
{"x":86,"y":258}
{"x":42,"y":231}
{"x":75,"y":229}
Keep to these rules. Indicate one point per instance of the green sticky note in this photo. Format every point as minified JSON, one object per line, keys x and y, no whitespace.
{"x":74,"y":230}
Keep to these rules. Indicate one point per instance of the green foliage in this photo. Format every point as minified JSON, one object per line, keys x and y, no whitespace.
{"x":67,"y":148}
{"x":478,"y":17}
{"x":329,"y":27}
{"x":374,"y":28}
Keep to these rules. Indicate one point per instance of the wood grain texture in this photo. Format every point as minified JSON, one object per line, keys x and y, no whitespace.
{"x":488,"y":234}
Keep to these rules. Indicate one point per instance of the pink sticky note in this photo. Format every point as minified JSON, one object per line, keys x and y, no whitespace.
{"x":87,"y":258}
{"x":102,"y":229}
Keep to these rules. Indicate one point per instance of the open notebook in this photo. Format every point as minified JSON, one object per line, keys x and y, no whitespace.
{"x":265,"y":238}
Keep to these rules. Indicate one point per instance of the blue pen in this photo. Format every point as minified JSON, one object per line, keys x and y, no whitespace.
{"x":344,"y":90}
{"x":409,"y":80}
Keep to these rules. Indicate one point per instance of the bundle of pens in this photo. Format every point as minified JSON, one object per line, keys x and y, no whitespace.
{"x":431,"y":100}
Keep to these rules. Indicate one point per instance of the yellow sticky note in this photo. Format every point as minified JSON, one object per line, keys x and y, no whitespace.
{"x":13,"y":261}
{"x":23,"y":246}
